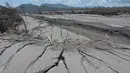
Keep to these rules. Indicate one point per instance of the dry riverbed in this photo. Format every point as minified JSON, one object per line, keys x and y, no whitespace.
{"x":67,"y":44}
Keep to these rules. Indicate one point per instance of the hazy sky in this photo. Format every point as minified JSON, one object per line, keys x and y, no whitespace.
{"x":71,"y":2}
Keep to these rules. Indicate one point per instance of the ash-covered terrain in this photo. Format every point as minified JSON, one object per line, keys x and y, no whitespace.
{"x":73,"y":43}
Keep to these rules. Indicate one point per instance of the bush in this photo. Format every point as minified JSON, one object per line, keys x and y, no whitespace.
{"x":9,"y":19}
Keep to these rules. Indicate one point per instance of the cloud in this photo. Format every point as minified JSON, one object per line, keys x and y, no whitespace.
{"x":35,"y":0}
{"x":105,"y":3}
{"x":125,"y":1}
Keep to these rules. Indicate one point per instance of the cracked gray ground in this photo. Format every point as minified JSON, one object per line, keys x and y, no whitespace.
{"x":63,"y":49}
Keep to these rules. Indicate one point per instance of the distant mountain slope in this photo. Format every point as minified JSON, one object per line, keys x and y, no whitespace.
{"x":61,"y":6}
{"x":47,"y":8}
{"x":28,"y":8}
{"x":50,"y":7}
{"x":1,"y":7}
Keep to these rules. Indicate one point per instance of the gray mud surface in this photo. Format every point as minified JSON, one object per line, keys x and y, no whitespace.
{"x":68,"y":44}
